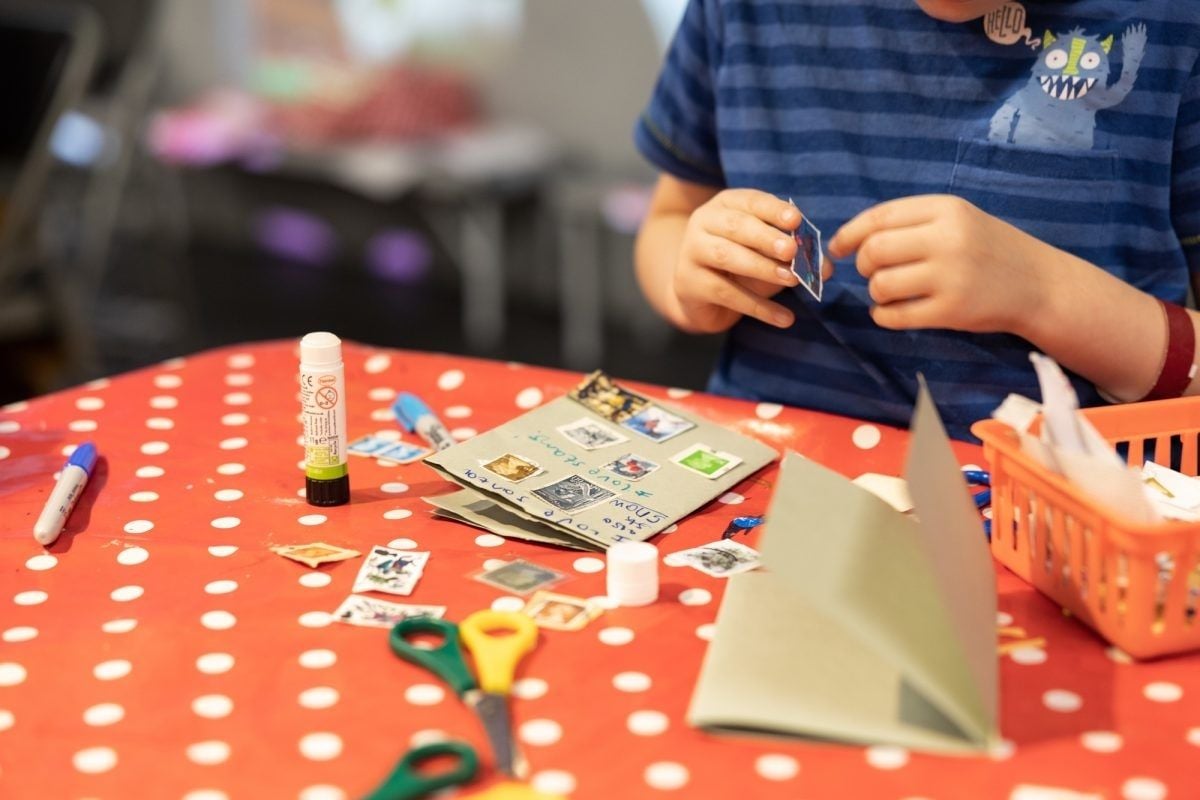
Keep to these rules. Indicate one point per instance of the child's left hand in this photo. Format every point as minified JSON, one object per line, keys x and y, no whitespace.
{"x":937,"y":261}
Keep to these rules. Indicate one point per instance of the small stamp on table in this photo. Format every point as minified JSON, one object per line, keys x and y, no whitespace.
{"x":561,"y":612}
{"x":706,"y":461}
{"x":372,"y":613}
{"x":719,"y":559}
{"x":391,"y":571}
{"x":513,"y":468}
{"x":591,"y":435}
{"x":315,"y":554}
{"x":573,"y":493}
{"x":520,"y":577}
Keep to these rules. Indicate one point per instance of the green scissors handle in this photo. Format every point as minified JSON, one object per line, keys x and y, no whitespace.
{"x":446,"y":660}
{"x":405,"y":783}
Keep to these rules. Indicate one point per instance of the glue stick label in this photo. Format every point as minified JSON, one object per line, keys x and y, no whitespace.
{"x":322,"y":400}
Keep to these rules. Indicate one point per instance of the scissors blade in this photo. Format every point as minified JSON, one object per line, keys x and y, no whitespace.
{"x":493,"y":713}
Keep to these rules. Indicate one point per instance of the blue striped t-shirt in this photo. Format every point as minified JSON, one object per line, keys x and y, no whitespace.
{"x":1085,"y":134}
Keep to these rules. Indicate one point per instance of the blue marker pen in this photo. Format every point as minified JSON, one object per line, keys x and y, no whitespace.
{"x":71,"y":481}
{"x":414,"y":415}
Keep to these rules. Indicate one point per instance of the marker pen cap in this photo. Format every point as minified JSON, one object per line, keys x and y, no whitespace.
{"x":83,"y":457}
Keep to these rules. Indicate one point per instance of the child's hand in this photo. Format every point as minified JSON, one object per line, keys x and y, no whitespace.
{"x":736,"y":253}
{"x":939,"y":262}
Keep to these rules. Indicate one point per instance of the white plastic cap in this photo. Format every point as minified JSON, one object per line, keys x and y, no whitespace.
{"x":320,"y":349}
{"x":632,"y":574}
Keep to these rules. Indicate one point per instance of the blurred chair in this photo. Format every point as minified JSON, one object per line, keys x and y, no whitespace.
{"x":47,"y":57}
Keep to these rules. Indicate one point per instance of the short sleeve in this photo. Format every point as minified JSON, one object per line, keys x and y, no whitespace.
{"x":1185,"y":172}
{"x":677,"y":131}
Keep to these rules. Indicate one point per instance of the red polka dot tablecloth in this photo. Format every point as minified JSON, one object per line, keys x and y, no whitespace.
{"x":158,"y":649}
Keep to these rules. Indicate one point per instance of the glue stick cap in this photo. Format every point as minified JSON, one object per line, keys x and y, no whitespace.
{"x":320,"y":349}
{"x":331,"y":492}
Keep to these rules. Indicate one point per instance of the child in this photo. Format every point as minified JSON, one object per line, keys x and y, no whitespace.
{"x":995,"y":188}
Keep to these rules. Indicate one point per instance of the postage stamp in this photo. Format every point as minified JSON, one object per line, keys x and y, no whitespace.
{"x":719,"y":559}
{"x":391,"y":571}
{"x":572,"y":493}
{"x":591,"y":435}
{"x":561,"y":612}
{"x":631,"y":467}
{"x":315,"y":554}
{"x":657,"y":424}
{"x":372,"y":613}
{"x":520,"y":577}
{"x":513,"y":467}
{"x":706,"y":461}
{"x":599,"y":393}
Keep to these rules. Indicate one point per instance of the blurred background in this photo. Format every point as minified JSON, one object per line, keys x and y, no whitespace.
{"x":451,"y":175}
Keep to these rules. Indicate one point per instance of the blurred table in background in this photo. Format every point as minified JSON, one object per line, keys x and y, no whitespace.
{"x":159,"y":649}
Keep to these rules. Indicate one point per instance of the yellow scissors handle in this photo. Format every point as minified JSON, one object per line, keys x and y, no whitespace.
{"x":498,"y":640}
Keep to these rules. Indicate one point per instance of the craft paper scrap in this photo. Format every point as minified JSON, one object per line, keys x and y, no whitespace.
{"x":720,"y":559}
{"x":520,"y":577}
{"x":1176,"y":495}
{"x":315,"y":554}
{"x":372,"y":613}
{"x":390,"y":571}
{"x":561,"y":612}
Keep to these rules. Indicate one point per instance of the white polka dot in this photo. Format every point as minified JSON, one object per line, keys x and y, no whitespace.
{"x":768,"y":410}
{"x":21,"y":633}
{"x":132,"y":555}
{"x":139,"y":526}
{"x":228,"y":495}
{"x":1062,"y":700}
{"x":208,"y":753}
{"x":312,"y":519}
{"x":321,"y":746}
{"x":1102,"y":741}
{"x":4,"y":452}
{"x":1143,"y":789}
{"x":31,"y":598}
{"x":221,"y":587}
{"x":318,"y":697}
{"x":539,"y":732}
{"x":240,"y":361}
{"x":427,"y":736}
{"x":695,"y":597}
{"x":1003,"y":619}
{"x":124,"y":594}
{"x":731,"y":499}
{"x":89,"y":403}
{"x":508,"y":603}
{"x":218,"y":620}
{"x":457,"y":412}
{"x":382,"y":394}
{"x":112,"y":670}
{"x":887,"y":756}
{"x":1162,"y":692}
{"x":17,"y":407}
{"x":866,"y":437}
{"x":43,"y":562}
{"x":155,"y":448}
{"x":168,"y":381}
{"x":301,"y":492}
{"x":238,"y":379}
{"x":163,"y":402}
{"x":82,"y":425}
{"x":382,"y":415}
{"x":238,"y":399}
{"x":631,"y":681}
{"x":66,"y":451}
{"x":615,"y":636}
{"x":321,"y":791}
{"x":678,"y":394}
{"x":123,"y":625}
{"x":394,"y":487}
{"x":160,"y":423}
{"x":489,"y":540}
{"x":95,"y":760}
{"x":214,"y":663}
{"x":776,"y":767}
{"x":316,"y":619}
{"x":144,"y":497}
{"x":318,"y":659}
{"x":315,"y":580}
{"x":424,"y":694}
{"x":231,"y":469}
{"x":1028,"y":655}
{"x":222,"y":550}
{"x":212,"y":706}
{"x":377,"y":363}
{"x":529,"y":398}
{"x":1002,"y":750}
{"x":402,"y":544}
{"x":647,"y":723}
{"x":666,"y":776}
{"x":397,"y":513}
{"x":462,"y":434}
{"x":11,"y":673}
{"x":388,"y":434}
{"x":235,"y":419}
{"x":530,"y":688}
{"x":553,"y":782}
{"x":6,"y":719}
{"x":224,"y":523}
{"x":9,"y":426}
{"x":588,"y":565}
{"x":206,"y":794}
{"x":451,"y":380}
{"x":150,"y":472}
{"x":233,"y":443}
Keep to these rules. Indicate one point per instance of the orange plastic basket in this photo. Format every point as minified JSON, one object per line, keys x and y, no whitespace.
{"x":1137,"y":585}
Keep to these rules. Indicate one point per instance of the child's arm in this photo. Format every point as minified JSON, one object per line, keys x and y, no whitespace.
{"x":706,"y":257}
{"x":940,"y":262}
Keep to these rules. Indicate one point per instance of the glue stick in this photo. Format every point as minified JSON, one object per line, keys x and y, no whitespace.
{"x":323,"y":407}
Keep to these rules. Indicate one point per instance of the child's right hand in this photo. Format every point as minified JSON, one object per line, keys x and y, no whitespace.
{"x":736,"y":254}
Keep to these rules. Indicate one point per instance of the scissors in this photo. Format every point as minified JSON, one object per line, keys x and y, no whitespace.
{"x":496,"y":659}
{"x":407,"y":783}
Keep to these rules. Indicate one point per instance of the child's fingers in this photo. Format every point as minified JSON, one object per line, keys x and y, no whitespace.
{"x":891,"y":248}
{"x":767,"y":207}
{"x":920,"y":312}
{"x":903,"y":213}
{"x":749,"y":231}
{"x":896,"y":284}
{"x":723,"y":255}
{"x":723,"y":291}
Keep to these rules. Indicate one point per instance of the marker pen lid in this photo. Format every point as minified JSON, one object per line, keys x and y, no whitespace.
{"x":83,"y":457}
{"x":409,"y":408}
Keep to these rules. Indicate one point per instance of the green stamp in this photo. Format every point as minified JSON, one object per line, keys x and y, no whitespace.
{"x":708,"y":462}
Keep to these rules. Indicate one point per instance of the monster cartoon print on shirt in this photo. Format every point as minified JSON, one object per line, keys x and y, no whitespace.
{"x":1057,"y":108}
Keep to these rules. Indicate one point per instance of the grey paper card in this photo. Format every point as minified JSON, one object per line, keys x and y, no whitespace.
{"x":867,"y":625}
{"x":582,"y":492}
